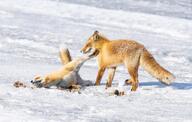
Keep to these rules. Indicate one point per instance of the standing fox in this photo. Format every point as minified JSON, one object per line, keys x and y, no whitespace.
{"x":127,"y":52}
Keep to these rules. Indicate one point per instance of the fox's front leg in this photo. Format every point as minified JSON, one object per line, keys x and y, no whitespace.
{"x":99,"y":76}
{"x":111,"y":74}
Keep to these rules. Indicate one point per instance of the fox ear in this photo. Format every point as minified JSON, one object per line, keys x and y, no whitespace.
{"x":96,"y":32}
{"x":96,"y":35}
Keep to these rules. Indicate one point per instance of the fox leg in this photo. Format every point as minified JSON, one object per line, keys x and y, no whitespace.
{"x":99,"y":76}
{"x":132,"y":66}
{"x":133,"y":71}
{"x":111,"y":74}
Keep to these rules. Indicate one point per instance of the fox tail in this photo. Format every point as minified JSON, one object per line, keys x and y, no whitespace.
{"x":148,"y":62}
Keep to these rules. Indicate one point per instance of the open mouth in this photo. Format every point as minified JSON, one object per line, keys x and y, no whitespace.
{"x":87,"y":50}
{"x":93,"y":52}
{"x":37,"y":83}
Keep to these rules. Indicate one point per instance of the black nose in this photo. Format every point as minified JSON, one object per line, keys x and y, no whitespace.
{"x":83,"y":52}
{"x":31,"y":81}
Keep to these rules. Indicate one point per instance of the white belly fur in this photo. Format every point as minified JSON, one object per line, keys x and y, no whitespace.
{"x":68,"y":80}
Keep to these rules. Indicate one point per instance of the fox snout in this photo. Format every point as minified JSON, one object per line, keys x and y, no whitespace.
{"x":85,"y":49}
{"x":94,"y":53}
{"x":37,"y":83}
{"x":82,"y":51}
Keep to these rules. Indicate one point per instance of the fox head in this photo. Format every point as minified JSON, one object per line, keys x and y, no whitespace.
{"x":94,"y":42}
{"x":37,"y":81}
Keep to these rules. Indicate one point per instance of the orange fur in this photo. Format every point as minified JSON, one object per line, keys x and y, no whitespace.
{"x":65,"y":56}
{"x":127,"y":52}
{"x":67,"y":74}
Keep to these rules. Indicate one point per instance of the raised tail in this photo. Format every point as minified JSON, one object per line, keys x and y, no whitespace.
{"x":148,"y":62}
{"x":65,"y":56}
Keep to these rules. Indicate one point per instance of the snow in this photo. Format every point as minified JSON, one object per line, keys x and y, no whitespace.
{"x":33,"y":31}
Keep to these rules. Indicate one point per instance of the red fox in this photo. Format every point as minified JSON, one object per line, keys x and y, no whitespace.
{"x":68,"y":75}
{"x":128,"y":52}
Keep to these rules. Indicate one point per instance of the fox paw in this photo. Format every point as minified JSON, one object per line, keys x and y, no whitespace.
{"x":128,"y":82}
{"x":96,"y":84}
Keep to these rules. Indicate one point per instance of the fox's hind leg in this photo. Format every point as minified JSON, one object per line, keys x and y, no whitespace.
{"x":111,"y":74}
{"x":132,"y":67}
{"x":133,"y":71}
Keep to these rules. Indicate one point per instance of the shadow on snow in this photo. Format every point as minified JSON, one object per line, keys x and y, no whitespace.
{"x":175,"y":85}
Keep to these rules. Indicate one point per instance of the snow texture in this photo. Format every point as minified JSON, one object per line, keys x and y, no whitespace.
{"x":33,"y":31}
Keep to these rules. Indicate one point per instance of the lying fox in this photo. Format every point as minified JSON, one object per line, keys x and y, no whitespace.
{"x":67,"y":76}
{"x":127,"y":52}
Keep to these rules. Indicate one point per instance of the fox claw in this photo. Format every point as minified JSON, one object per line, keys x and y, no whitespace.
{"x":128,"y":82}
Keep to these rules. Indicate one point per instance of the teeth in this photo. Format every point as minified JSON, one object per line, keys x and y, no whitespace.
{"x":87,"y":50}
{"x":91,"y":50}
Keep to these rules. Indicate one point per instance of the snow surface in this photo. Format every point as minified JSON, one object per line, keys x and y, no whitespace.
{"x":32,"y":31}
